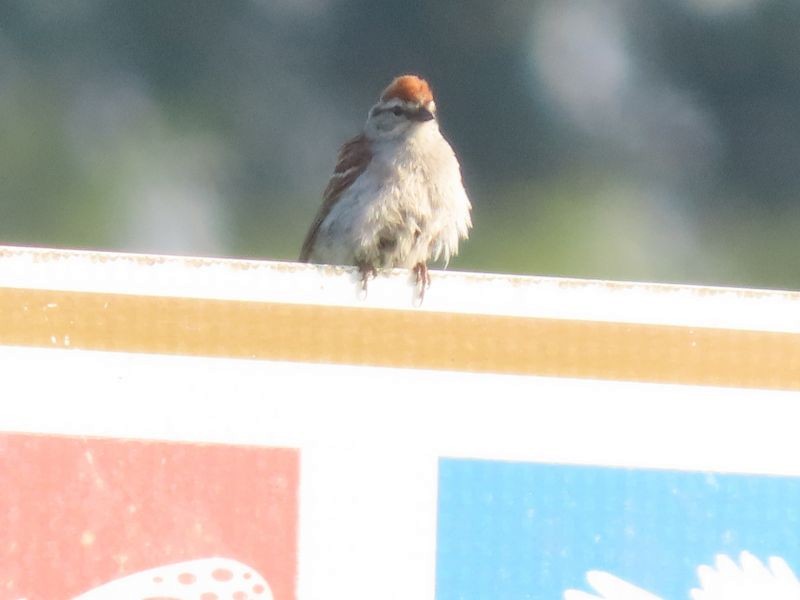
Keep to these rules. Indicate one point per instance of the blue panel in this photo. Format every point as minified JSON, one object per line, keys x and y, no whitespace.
{"x":527,"y":531}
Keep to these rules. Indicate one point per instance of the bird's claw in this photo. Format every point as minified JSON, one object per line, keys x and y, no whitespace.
{"x":367,"y":272}
{"x":422,"y":278}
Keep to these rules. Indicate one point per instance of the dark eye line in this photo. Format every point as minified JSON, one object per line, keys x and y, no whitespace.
{"x":399,"y":110}
{"x":395,"y":110}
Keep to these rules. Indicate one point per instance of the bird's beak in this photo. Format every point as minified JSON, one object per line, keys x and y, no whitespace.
{"x":421,"y":115}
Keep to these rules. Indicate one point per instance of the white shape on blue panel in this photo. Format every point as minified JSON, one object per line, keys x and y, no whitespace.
{"x":750,"y":579}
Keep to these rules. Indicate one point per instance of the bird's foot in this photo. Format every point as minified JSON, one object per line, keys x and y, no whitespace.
{"x":367,"y":272}
{"x":422,"y":278}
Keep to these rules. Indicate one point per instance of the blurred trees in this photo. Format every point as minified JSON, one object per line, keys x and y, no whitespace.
{"x":600,"y":138}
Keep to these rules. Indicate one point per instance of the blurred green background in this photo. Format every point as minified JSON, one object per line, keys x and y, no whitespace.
{"x":654,"y":140}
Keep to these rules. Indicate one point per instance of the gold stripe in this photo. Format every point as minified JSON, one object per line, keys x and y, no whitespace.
{"x":396,"y":338}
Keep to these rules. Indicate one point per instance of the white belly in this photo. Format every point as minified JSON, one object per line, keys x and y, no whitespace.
{"x":406,"y":208}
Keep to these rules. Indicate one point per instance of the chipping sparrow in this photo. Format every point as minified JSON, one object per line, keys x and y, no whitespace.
{"x":395,"y":198}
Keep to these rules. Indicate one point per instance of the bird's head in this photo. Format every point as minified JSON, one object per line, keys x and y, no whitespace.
{"x":407,"y":103}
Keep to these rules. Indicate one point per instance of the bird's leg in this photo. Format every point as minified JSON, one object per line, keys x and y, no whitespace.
{"x":422,"y":278}
{"x":367,"y":271}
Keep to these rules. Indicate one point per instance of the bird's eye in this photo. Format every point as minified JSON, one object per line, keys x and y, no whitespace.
{"x":397,"y":111}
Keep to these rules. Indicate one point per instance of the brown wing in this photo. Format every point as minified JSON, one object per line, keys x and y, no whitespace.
{"x":354,"y":156}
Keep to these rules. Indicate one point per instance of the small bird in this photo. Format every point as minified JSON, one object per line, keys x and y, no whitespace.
{"x":396,"y":198}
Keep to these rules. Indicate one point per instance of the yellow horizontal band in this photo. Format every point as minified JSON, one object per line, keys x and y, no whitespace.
{"x":397,"y":338}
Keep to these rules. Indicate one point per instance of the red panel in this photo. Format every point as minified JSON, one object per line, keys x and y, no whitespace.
{"x":76,"y":513}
